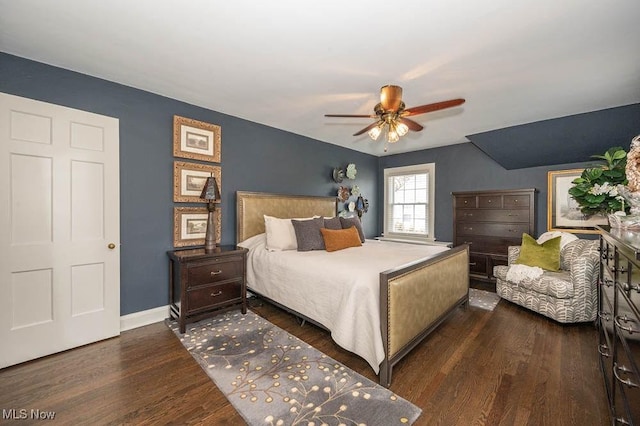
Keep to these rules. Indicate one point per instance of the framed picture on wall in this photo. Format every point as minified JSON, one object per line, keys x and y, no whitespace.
{"x":190,"y":226}
{"x":189,"y":179}
{"x":196,"y":139}
{"x":563,"y":212}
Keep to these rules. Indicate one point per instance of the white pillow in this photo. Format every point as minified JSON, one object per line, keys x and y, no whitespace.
{"x":565,"y":237}
{"x":280,"y":233}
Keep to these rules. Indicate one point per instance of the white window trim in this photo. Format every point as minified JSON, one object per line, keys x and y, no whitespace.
{"x":429,"y":168}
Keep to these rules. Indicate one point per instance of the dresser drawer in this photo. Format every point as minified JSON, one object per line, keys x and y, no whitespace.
{"x":466,"y":202}
{"x":478,"y":264}
{"x":480,"y":244}
{"x":212,"y":271}
{"x":516,"y":201}
{"x":509,"y":230}
{"x":490,"y":201}
{"x":507,"y":215}
{"x":627,"y":380}
{"x":213,"y":295}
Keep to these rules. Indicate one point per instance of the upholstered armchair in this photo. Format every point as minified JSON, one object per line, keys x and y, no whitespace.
{"x":567,"y":296}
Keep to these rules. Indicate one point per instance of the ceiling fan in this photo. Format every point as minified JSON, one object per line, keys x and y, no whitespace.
{"x":391,"y":115}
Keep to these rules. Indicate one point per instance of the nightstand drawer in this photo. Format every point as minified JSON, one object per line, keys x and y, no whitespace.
{"x":214,"y":271}
{"x":213,"y":295}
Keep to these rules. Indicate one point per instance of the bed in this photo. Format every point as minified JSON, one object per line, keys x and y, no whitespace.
{"x":379,"y":310}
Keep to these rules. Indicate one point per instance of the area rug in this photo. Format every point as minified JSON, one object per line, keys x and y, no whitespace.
{"x":274,"y":378}
{"x":483,"y":299}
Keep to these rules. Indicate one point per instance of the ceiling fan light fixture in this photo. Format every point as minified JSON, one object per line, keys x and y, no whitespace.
{"x":402,"y":129}
{"x":392,"y":135}
{"x":375,"y":132}
{"x":392,"y":115}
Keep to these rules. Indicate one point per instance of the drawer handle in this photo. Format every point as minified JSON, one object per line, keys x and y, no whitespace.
{"x":214,"y":273}
{"x":622,"y":421}
{"x":603,"y":350}
{"x":604,"y":315}
{"x":216,"y":294}
{"x":607,"y":282}
{"x":625,"y":320}
{"x":512,"y":215}
{"x":468,"y":242}
{"x":472,"y":264}
{"x":468,"y":228}
{"x":624,"y":369}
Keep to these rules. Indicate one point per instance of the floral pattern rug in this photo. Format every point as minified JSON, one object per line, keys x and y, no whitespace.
{"x":274,"y":378}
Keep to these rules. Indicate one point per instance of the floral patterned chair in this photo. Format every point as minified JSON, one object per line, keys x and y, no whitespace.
{"x":567,"y":296}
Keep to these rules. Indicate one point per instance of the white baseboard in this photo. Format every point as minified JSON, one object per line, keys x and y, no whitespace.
{"x":139,"y":319}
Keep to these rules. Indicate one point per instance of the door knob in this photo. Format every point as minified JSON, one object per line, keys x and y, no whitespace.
{"x":111,"y":246}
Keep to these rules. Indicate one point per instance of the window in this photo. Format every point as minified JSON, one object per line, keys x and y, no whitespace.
{"x":409,"y":202}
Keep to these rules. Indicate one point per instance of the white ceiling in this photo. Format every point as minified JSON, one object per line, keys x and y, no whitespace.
{"x":286,"y":63}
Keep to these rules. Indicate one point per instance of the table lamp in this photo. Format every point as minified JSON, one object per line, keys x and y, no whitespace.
{"x":211,"y":193}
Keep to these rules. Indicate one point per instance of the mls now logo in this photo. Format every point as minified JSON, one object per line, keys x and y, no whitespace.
{"x":22,"y":414}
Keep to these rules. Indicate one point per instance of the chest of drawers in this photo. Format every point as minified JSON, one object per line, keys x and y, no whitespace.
{"x":202,"y":283}
{"x":619,"y":322}
{"x":491,"y":221}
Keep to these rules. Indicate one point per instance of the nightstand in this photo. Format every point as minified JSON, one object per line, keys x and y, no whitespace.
{"x":203,"y":283}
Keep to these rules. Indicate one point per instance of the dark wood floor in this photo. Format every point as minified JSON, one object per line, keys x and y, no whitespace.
{"x":506,"y":367}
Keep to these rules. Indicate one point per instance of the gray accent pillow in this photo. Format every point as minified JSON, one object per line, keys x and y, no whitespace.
{"x":308,"y":234}
{"x":348,"y":222}
{"x":333,"y":223}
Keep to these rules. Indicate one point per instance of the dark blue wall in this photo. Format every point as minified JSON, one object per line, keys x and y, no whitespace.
{"x":464,"y":167}
{"x":254,"y":158}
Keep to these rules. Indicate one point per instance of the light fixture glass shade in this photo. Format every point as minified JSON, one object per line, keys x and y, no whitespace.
{"x":402,"y":129}
{"x":392,"y":136}
{"x":375,"y":132}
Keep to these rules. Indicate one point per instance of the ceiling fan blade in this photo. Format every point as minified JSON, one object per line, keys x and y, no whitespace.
{"x":366,"y":129}
{"x":422,"y":109}
{"x":412,"y":125}
{"x":351,"y":115}
{"x":390,"y":97}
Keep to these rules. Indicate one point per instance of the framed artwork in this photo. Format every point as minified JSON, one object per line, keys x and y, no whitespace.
{"x":196,"y":139}
{"x":189,"y":179}
{"x":563,"y":212}
{"x":190,"y":226}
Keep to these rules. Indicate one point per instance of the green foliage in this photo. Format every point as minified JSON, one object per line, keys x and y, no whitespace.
{"x":596,"y":188}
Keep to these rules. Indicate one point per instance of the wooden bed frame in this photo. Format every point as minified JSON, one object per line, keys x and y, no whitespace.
{"x":414,"y":298}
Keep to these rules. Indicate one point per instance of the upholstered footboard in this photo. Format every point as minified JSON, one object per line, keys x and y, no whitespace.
{"x":416,"y":298}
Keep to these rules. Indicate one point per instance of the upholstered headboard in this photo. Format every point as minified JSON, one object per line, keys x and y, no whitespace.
{"x":252,"y":206}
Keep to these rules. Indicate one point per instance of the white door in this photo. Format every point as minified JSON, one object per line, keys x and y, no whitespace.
{"x":59,"y":228}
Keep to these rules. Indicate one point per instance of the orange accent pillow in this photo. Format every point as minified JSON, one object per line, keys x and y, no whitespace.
{"x":338,"y":239}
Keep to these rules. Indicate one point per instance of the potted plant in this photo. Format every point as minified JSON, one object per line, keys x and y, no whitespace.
{"x":596,"y":190}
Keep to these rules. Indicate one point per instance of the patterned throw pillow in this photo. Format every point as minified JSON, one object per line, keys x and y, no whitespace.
{"x":335,"y":240}
{"x":308,"y":234}
{"x":348,"y":222}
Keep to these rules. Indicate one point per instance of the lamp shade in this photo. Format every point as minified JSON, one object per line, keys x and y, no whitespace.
{"x":210,"y":191}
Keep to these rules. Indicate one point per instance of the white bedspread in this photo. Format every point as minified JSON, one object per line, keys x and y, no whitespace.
{"x":339,"y":290}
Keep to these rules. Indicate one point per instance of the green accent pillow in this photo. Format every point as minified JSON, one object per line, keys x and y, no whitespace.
{"x":545,"y":255}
